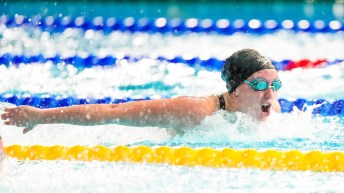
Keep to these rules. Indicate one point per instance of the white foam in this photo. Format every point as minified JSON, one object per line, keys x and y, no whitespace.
{"x":279,"y":45}
{"x":148,"y":78}
{"x":229,"y":128}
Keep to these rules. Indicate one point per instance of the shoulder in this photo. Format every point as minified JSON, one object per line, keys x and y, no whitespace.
{"x":207,"y":104}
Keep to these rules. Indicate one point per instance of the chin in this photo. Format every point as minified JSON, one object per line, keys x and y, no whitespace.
{"x":263,"y":116}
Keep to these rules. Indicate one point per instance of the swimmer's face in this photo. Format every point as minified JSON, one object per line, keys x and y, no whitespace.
{"x":258,"y":103}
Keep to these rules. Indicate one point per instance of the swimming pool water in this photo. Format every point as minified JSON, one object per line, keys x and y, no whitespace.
{"x":279,"y":10}
{"x":150,"y":77}
{"x":289,"y":131}
{"x":111,"y":177}
{"x":129,"y":78}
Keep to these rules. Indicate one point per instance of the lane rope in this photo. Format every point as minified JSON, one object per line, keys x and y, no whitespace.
{"x":174,"y":25}
{"x":185,"y":156}
{"x":210,"y":63}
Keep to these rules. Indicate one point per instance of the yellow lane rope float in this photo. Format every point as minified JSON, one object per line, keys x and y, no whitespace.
{"x":186,"y":156}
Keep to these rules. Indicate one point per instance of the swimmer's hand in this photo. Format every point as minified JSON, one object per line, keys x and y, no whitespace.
{"x":21,"y":116}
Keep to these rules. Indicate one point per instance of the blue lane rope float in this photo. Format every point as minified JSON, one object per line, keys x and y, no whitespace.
{"x":175,"y":25}
{"x":325,"y":108}
{"x":211,"y":63}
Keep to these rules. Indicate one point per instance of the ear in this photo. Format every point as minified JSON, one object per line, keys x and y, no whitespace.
{"x":235,"y":93}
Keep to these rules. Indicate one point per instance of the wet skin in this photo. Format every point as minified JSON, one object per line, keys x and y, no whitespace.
{"x":251,"y":101}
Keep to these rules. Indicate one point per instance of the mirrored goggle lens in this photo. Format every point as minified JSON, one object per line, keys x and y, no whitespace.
{"x":277,"y":84}
{"x":261,"y":84}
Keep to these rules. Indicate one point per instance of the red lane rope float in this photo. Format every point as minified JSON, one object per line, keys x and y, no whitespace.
{"x":225,"y":158}
{"x":305,"y":63}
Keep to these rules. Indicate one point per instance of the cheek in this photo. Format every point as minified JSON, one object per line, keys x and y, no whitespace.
{"x":248,"y":96}
{"x":251,"y":97}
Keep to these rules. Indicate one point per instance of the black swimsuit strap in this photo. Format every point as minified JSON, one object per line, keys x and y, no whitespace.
{"x":222,"y":102}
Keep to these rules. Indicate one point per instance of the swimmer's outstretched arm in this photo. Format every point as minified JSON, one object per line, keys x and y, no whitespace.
{"x":176,"y":113}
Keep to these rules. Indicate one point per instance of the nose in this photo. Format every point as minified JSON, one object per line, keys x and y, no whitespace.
{"x":268,"y":93}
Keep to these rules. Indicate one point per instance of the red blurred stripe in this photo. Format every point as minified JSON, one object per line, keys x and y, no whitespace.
{"x":305,"y":63}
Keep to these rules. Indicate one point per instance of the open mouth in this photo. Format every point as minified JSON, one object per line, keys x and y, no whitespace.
{"x":266,"y":107}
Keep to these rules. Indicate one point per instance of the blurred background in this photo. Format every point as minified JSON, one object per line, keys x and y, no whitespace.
{"x":215,"y":9}
{"x":60,"y":53}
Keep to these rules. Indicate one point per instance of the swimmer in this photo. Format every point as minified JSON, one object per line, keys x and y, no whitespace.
{"x":252,"y":85}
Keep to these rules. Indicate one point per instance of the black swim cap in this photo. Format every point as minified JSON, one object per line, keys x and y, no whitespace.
{"x":241,"y":65}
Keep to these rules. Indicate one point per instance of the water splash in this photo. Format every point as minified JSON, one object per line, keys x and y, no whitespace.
{"x":296,"y":130}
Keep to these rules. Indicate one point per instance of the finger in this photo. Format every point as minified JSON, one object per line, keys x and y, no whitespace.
{"x":12,"y":122}
{"x":7,"y":123}
{"x":6,"y":116}
{"x":8,"y":109}
{"x":25,"y":130}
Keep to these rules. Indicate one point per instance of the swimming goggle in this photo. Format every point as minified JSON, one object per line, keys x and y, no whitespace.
{"x":260,"y":84}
